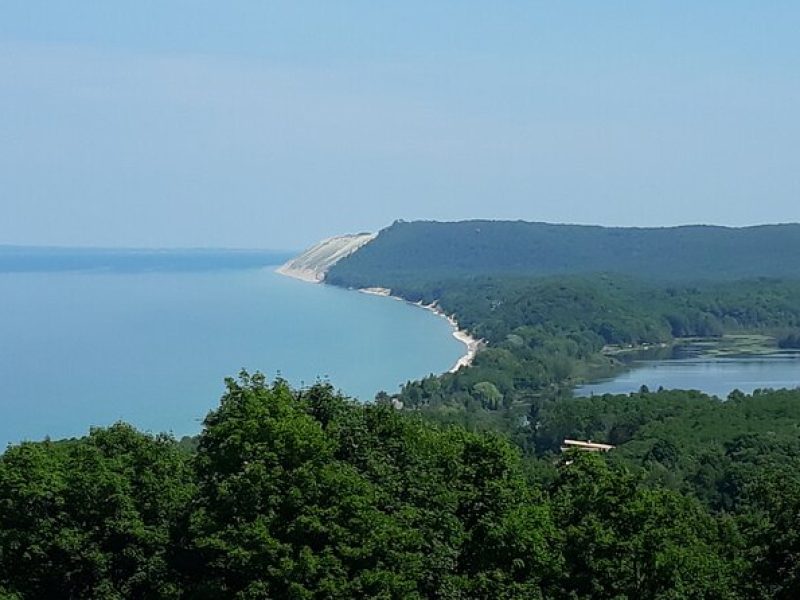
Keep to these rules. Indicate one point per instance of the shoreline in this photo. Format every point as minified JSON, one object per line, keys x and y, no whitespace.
{"x":307,"y":275}
{"x":472,"y":345}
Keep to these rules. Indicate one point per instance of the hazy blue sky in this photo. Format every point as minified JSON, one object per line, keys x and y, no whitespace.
{"x":272,"y":124}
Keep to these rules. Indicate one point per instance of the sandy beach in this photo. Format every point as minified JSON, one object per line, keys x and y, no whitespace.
{"x":472,"y":349}
{"x":472,"y":344}
{"x":376,"y":291}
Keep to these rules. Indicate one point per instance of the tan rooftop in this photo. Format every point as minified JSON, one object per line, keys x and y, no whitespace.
{"x":589,"y":446}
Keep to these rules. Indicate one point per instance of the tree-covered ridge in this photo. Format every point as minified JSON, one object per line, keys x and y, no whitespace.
{"x":544,"y":334}
{"x":428,"y":250}
{"x":617,"y":310}
{"x":308,"y":495}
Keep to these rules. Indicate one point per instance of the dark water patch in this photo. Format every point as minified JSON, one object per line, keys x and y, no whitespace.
{"x":23,"y":259}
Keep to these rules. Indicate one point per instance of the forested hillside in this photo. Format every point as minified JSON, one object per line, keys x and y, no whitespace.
{"x":543,"y":335}
{"x":550,"y":301}
{"x":308,"y":495}
{"x":405,"y":253}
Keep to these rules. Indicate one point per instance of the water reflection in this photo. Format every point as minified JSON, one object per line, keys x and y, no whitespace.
{"x":689,"y":366}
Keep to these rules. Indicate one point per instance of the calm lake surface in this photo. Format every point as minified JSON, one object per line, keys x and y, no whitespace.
{"x":153,"y":348}
{"x":712,"y":375}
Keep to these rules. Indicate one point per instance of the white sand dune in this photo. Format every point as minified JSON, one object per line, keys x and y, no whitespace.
{"x":313,"y":264}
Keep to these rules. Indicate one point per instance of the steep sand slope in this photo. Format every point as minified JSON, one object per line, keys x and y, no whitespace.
{"x":313,"y":264}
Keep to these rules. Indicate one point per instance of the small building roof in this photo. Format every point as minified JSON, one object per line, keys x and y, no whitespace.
{"x":589,"y":446}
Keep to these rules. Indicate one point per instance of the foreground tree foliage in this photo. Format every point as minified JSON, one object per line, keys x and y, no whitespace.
{"x":311,"y":496}
{"x":98,"y":517}
{"x":308,"y":495}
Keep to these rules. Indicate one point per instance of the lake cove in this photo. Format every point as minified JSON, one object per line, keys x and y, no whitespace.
{"x":153,"y":348}
{"x":745,"y":363}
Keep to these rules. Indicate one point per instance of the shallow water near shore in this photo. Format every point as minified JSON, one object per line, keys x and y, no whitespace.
{"x":79,"y":349}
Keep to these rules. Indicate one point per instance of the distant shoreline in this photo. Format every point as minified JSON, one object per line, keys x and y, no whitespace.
{"x":472,"y":345}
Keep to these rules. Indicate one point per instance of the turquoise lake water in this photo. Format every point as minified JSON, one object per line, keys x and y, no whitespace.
{"x":153,"y":348}
{"x":715,"y":376}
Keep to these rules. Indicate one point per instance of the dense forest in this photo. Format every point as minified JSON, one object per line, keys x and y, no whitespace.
{"x":407,"y":252}
{"x":305,"y":494}
{"x":557,"y":304}
{"x":545,"y":334}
